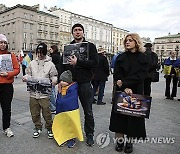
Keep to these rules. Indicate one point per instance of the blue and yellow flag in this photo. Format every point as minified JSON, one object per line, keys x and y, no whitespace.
{"x":67,"y":123}
{"x":27,"y":59}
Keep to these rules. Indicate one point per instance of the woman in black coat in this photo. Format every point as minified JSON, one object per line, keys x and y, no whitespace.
{"x":129,"y":74}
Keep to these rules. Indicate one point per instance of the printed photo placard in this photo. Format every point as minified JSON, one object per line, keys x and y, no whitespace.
{"x":133,"y":105}
{"x":6,"y":63}
{"x":80,"y":50}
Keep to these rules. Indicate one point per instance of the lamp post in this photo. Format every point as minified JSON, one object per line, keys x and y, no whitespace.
{"x":177,"y":50}
{"x":162,"y":53}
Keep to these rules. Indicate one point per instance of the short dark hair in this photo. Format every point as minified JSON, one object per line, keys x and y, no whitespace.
{"x":77,"y":25}
{"x":42,"y":48}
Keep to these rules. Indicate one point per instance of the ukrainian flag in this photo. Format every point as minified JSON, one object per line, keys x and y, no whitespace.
{"x":28,"y":58}
{"x":67,"y":123}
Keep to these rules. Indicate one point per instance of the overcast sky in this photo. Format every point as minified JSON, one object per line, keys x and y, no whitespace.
{"x":149,"y":18}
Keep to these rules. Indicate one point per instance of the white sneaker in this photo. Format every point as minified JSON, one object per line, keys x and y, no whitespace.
{"x":8,"y":132}
{"x":36,"y":133}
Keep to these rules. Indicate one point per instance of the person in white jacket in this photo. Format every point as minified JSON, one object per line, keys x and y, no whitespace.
{"x":41,"y":74}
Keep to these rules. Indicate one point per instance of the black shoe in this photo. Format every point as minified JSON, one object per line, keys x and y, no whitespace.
{"x":119,"y":147}
{"x":168,"y":97}
{"x":128,"y":148}
{"x":71,"y":143}
{"x":90,"y":140}
{"x":178,"y":99}
{"x":171,"y":98}
{"x":94,"y":101}
{"x":101,"y":103}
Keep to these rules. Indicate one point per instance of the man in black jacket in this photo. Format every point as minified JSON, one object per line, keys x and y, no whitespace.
{"x":101,"y":73}
{"x":82,"y":74}
{"x":153,"y":65}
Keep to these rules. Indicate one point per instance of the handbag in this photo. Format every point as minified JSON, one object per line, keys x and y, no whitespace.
{"x":155,"y":77}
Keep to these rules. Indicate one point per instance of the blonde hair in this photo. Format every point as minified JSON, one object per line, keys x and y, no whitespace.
{"x":138,"y":42}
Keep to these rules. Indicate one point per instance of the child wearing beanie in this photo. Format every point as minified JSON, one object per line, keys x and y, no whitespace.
{"x":67,"y":124}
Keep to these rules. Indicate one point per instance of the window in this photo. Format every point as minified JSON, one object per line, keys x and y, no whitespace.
{"x":39,"y":26}
{"x":31,"y":46}
{"x":31,"y":36}
{"x":31,"y":16}
{"x":25,"y":15}
{"x":13,"y":35}
{"x":31,"y":26}
{"x":25,"y":35}
{"x":24,"y":46}
{"x":25,"y":25}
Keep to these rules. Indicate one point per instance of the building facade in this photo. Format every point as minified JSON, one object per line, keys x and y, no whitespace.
{"x":26,"y":26}
{"x":30,"y":26}
{"x":163,"y":45}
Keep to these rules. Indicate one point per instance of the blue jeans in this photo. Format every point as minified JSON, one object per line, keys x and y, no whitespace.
{"x":53,"y":99}
{"x":85,"y":93}
{"x":101,"y":85}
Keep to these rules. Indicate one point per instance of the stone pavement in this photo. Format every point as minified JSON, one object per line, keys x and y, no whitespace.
{"x":164,"y":123}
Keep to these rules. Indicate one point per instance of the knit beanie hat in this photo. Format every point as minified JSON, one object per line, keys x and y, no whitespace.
{"x":77,"y":25}
{"x":3,"y":38}
{"x":42,"y":47}
{"x":66,"y":76}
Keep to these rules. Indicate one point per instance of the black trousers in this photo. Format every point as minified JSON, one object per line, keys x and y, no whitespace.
{"x":174,"y":87}
{"x":147,"y":86}
{"x":6,"y":95}
{"x":85,"y":93}
{"x":24,"y":69}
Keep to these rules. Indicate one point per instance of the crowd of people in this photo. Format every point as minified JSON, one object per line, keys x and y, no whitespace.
{"x":133,"y":71}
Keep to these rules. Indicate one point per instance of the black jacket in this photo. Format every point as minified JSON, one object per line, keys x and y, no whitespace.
{"x":101,"y":72}
{"x":131,"y":68}
{"x":153,"y":63}
{"x":56,"y":59}
{"x":82,"y":72}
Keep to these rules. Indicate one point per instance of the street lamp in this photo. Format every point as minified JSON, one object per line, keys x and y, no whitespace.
{"x":177,"y":50}
{"x":162,"y":53}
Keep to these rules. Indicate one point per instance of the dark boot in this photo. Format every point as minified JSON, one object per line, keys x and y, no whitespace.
{"x":119,"y":147}
{"x":101,"y":103}
{"x":128,"y":148}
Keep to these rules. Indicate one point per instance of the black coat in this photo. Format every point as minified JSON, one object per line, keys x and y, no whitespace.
{"x":153,"y":63}
{"x":101,"y":72}
{"x":56,"y":59}
{"x":131,"y":68}
{"x":82,"y":72}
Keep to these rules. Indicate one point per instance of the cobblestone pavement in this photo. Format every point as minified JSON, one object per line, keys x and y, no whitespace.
{"x":164,"y":123}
